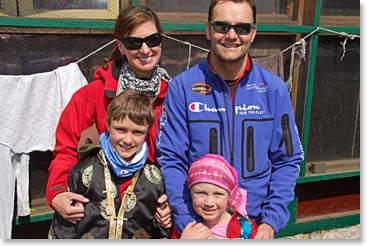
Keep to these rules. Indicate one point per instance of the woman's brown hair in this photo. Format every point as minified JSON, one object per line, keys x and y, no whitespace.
{"x":129,"y":19}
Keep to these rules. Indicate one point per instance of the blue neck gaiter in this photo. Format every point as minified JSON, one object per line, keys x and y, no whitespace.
{"x":120,"y":166}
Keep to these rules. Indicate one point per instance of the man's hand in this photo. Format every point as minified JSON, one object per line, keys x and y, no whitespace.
{"x":264,"y":231}
{"x":163,"y":213}
{"x":195,"y":230}
{"x":70,"y":206}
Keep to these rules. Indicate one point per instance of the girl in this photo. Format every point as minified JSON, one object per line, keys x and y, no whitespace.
{"x":216,"y":198}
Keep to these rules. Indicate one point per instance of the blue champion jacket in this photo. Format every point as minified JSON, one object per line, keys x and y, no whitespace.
{"x":255,"y":132}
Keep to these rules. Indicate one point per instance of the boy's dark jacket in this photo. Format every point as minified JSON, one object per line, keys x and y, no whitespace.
{"x":88,"y":178}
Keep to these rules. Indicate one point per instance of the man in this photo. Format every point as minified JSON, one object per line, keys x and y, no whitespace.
{"x":230,"y":106}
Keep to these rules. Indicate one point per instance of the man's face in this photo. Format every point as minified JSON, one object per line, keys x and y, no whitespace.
{"x":230,"y":46}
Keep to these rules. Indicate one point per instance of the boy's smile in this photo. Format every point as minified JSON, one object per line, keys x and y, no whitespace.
{"x":127,"y":137}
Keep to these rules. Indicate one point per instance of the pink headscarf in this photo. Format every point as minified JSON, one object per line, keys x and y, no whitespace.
{"x":214,"y":169}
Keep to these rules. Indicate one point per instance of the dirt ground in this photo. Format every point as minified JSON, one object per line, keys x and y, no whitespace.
{"x":352,"y":232}
{"x":347,"y":233}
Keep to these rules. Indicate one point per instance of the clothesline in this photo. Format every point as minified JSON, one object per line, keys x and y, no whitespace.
{"x":97,"y":50}
{"x":298,"y":48}
{"x":300,"y":42}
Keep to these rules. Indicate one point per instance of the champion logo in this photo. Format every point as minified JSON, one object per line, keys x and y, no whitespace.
{"x":198,"y":107}
{"x":245,"y":109}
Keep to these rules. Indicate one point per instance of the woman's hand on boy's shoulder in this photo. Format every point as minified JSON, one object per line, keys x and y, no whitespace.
{"x":70,"y":206}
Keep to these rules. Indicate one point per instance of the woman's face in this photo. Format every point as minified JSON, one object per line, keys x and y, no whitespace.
{"x":144,"y":59}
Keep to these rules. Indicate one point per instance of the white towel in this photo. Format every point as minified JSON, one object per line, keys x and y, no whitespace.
{"x":31,"y":106}
{"x":30,"y":109}
{"x":7,"y":181}
{"x":20,"y":164}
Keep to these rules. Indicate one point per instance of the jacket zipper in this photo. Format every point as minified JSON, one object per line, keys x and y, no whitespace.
{"x":223,"y":85}
{"x":287,"y":136}
{"x":213,"y":142}
{"x":250,"y":149}
{"x":233,"y":122}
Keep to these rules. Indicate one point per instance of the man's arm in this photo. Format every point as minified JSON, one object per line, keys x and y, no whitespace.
{"x":286,"y":155}
{"x":172,"y":148}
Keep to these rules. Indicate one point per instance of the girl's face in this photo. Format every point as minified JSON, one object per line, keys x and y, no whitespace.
{"x":209,"y":202}
{"x":127,"y":137}
{"x":142,"y":60}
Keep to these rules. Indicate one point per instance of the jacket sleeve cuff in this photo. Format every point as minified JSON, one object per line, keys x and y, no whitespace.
{"x":51,"y":193}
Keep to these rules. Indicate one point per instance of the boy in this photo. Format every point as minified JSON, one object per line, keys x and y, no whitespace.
{"x":122,"y":185}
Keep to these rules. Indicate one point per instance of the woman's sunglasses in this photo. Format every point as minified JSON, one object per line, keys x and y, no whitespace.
{"x":223,"y":27}
{"x":134,"y":43}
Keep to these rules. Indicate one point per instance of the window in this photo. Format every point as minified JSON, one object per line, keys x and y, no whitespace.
{"x":340,"y":13}
{"x":69,"y":9}
{"x":196,"y":11}
{"x":335,"y":125}
{"x":8,"y":8}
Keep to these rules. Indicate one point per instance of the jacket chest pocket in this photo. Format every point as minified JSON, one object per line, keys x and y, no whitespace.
{"x":256,"y":138}
{"x":206,"y":135}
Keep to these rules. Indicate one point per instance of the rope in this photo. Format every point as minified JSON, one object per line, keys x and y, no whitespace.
{"x":97,"y":50}
{"x":301,"y":41}
{"x":183,"y":42}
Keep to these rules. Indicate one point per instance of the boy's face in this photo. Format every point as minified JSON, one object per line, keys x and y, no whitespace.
{"x":209,"y":202}
{"x":127,"y":137}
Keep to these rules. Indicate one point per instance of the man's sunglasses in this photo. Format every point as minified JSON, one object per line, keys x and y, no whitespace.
{"x":134,"y":43}
{"x":223,"y":27}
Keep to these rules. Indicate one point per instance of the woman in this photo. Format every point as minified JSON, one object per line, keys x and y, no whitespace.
{"x":133,"y":66}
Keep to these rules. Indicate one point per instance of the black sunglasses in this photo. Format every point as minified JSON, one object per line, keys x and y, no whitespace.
{"x":134,"y":43}
{"x":223,"y":27}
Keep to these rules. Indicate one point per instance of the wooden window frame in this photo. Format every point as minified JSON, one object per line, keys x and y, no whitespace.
{"x":347,"y":21}
{"x":8,"y":8}
{"x":111,"y":12}
{"x":293,"y":16}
